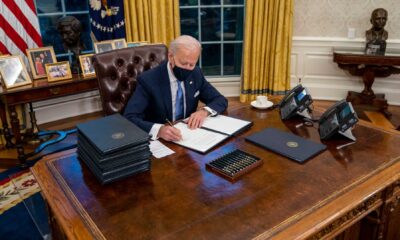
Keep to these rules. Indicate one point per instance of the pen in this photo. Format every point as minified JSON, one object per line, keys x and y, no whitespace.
{"x":172,"y":125}
{"x":169,"y":122}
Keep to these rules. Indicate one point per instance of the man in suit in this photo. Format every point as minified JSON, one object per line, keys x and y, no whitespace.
{"x":171,"y":91}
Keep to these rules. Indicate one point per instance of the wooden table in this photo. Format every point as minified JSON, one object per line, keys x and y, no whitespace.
{"x":369,"y":67}
{"x":336,"y":192}
{"x":40,"y":90}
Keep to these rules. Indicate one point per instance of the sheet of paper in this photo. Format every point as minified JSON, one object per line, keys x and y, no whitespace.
{"x":198,"y":139}
{"x":159,"y":150}
{"x":225,"y":124}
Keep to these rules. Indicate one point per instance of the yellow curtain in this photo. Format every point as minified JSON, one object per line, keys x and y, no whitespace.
{"x":156,"y":21}
{"x":267,"y":48}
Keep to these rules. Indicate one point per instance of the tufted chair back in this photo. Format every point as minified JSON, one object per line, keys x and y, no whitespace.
{"x":117,"y":71}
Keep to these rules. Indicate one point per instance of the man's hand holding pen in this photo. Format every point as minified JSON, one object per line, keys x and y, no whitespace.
{"x":169,"y":132}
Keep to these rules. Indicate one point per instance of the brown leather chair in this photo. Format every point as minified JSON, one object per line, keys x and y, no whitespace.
{"x":117,"y":71}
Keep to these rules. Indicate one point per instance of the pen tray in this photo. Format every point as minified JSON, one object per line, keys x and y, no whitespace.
{"x":234,"y":164}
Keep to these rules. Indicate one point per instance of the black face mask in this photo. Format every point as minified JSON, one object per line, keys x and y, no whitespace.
{"x":182,"y":74}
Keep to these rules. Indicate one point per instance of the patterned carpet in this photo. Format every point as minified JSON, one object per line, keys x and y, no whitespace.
{"x":23,"y":213}
{"x":15,"y":188}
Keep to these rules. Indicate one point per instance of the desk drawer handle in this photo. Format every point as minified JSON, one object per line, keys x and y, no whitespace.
{"x":55,"y":91}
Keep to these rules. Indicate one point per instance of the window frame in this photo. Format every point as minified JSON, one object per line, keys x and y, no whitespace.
{"x":64,"y":13}
{"x":221,"y":42}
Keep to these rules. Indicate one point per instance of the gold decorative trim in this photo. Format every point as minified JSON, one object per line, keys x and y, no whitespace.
{"x":94,"y":230}
{"x":362,"y":209}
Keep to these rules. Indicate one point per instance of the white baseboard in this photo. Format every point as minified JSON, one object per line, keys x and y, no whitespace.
{"x":65,"y":107}
{"x":228,"y":89}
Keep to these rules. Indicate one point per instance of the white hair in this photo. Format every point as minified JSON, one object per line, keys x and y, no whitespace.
{"x":184,"y":41}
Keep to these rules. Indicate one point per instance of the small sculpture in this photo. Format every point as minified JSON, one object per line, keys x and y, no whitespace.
{"x":70,"y":29}
{"x":377,"y":35}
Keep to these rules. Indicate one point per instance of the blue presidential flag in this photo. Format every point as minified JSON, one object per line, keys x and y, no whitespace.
{"x":107,"y":19}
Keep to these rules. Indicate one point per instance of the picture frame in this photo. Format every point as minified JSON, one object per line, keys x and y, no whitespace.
{"x":103,"y":46}
{"x":86,"y":65}
{"x":2,"y":55}
{"x":119,"y":43}
{"x":58,"y":71}
{"x":13,"y":72}
{"x":377,"y":47}
{"x":136,"y":44}
{"x":38,"y":58}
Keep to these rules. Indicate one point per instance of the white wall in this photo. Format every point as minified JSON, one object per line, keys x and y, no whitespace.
{"x":332,"y":18}
{"x":321,"y":25}
{"x":312,"y":61}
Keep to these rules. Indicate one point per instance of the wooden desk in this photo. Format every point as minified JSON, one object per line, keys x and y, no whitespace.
{"x":40,"y":90}
{"x":180,"y":199}
{"x":369,"y":67}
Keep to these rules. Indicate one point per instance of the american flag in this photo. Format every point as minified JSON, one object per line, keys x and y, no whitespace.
{"x":19,"y":26}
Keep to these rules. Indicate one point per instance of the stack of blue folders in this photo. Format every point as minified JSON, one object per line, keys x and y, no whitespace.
{"x":113,"y":148}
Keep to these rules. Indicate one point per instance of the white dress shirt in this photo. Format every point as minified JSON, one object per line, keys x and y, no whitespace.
{"x":174,"y":87}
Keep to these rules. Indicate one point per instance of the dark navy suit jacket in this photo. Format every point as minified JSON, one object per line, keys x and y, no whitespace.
{"x":152,"y":102}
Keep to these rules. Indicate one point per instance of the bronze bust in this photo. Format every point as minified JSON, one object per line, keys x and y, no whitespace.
{"x":376,"y":36}
{"x":70,"y":29}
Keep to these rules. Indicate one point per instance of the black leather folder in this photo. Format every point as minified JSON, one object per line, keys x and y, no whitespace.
{"x":112,"y":133}
{"x":106,"y":158}
{"x":113,"y":148}
{"x":286,"y":144}
{"x":115,"y":174}
{"x":116,"y":162}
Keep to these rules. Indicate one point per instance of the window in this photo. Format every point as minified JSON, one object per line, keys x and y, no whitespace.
{"x":49,"y":11}
{"x":218,"y":25}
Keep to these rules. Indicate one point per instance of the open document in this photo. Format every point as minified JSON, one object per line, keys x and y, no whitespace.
{"x":225,"y":124}
{"x":214,"y":130}
{"x":198,"y":139}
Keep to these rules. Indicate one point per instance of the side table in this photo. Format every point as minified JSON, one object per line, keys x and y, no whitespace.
{"x":40,"y":90}
{"x":369,"y":67}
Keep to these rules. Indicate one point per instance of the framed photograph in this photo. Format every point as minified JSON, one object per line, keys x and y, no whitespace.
{"x":376,"y":47}
{"x":86,"y":65}
{"x":120,"y":43}
{"x":13,"y":72}
{"x":58,"y":71}
{"x":103,"y":46}
{"x":135,"y":44}
{"x":2,"y":55}
{"x":38,"y":58}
